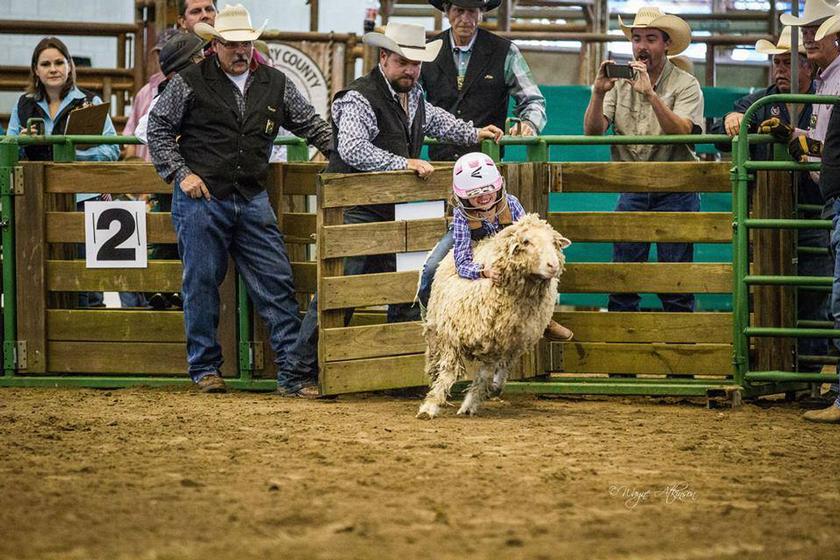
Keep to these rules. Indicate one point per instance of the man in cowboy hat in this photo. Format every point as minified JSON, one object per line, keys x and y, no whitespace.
{"x":211,"y":134}
{"x":820,"y":41}
{"x":379,"y":122}
{"x":811,"y":304}
{"x":476,"y":72}
{"x":661,"y":99}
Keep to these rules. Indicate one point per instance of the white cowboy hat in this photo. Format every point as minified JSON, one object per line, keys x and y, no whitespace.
{"x":764,"y":46}
{"x":405,"y":39}
{"x":233,"y":23}
{"x":676,"y":28}
{"x":814,"y":12}
{"x":829,"y":26}
{"x":486,"y":5}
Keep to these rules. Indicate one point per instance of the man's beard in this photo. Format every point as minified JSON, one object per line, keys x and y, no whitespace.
{"x":399,"y":88}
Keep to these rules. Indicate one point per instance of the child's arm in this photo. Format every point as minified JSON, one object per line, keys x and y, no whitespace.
{"x":516,"y":210}
{"x":463,"y":249}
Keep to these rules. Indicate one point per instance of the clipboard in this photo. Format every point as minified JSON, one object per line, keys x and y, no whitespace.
{"x":88,"y":120}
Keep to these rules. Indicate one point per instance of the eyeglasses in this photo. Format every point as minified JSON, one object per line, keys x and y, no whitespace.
{"x":233,"y":45}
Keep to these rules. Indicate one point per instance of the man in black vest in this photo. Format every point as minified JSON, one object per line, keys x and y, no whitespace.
{"x":476,"y":72}
{"x":379,"y":123}
{"x":211,"y":133}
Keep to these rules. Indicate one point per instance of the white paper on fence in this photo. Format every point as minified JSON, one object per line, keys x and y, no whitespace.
{"x":416,"y":211}
{"x":115,"y":234}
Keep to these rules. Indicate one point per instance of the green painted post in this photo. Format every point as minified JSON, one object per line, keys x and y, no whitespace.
{"x":491,"y":149}
{"x":740,"y":256}
{"x":65,"y":152}
{"x":537,"y":151}
{"x":8,"y":159}
{"x":297,"y":152}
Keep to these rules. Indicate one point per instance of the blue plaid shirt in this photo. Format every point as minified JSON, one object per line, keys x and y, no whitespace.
{"x":463,"y":240}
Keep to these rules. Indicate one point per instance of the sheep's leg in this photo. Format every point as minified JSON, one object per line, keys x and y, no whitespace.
{"x":449,"y":367}
{"x":477,"y":392}
{"x":500,"y":375}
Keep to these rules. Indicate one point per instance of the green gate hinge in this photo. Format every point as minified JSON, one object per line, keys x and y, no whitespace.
{"x":14,"y":355}
{"x":11,"y":182}
{"x":252,"y":356}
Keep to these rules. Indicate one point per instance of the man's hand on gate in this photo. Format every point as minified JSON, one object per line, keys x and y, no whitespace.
{"x":775,"y":127}
{"x":603,"y":84}
{"x":732,"y":123}
{"x":490,"y":132}
{"x":641,"y":84}
{"x":802,"y":146}
{"x":522,"y":128}
{"x":194,"y":187}
{"x":420,"y":166}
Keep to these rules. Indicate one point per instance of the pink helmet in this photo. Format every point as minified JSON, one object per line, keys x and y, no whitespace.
{"x":475,"y":174}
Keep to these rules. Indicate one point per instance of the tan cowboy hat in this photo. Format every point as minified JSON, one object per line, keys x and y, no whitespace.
{"x":829,"y":26}
{"x":814,"y":12}
{"x":405,"y":39}
{"x":764,"y":46}
{"x":233,"y":23}
{"x":676,"y":28}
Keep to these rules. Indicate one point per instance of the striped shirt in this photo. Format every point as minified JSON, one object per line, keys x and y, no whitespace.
{"x":357,"y":127}
{"x":463,"y":240}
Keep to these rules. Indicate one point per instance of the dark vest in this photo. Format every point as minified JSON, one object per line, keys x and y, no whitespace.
{"x":483,"y":99}
{"x":28,"y":108}
{"x":395,"y":133}
{"x":228,"y":150}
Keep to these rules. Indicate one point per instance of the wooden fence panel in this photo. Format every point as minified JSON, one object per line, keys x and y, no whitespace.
{"x":30,"y":248}
{"x":654,"y":176}
{"x":646,"y":358}
{"x":596,"y":326}
{"x":81,"y":325}
{"x":669,"y":227}
{"x":112,"y":177}
{"x":120,"y":358}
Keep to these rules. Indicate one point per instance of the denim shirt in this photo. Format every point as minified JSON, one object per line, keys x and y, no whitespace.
{"x":96,"y":153}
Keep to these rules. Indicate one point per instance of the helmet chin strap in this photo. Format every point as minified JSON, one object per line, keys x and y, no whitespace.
{"x":475,"y":213}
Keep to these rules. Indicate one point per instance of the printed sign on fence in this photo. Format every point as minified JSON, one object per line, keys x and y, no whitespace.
{"x":115,"y":234}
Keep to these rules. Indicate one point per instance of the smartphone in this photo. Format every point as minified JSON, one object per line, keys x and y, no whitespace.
{"x":38,"y":124}
{"x":619,"y":71}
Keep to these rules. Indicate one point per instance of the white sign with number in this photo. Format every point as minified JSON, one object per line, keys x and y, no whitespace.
{"x":115,"y":234}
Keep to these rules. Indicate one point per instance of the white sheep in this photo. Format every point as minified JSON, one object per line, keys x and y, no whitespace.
{"x":491,"y":323}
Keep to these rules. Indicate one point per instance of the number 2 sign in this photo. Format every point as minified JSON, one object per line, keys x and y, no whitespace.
{"x":115,"y":234}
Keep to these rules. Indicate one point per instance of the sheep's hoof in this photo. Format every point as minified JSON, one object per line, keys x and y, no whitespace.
{"x":428,"y":410}
{"x":464,"y":411}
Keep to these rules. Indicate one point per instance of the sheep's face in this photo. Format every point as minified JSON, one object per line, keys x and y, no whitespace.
{"x":532,"y":246}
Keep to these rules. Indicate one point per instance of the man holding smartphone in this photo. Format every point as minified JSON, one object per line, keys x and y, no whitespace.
{"x":659,"y":99}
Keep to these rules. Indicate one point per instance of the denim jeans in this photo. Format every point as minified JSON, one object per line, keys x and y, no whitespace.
{"x":665,"y":252}
{"x":835,"y":286}
{"x":302,"y":363}
{"x":813,"y":305}
{"x":209,"y":231}
{"x":424,"y":290}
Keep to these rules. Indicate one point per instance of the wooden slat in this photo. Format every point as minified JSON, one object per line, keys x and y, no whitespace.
{"x":305,"y":275}
{"x":115,"y":178}
{"x":678,"y":278}
{"x":352,"y":189}
{"x":69,"y":227}
{"x":135,"y":358}
{"x":29,"y":259}
{"x":656,"y":358}
{"x":299,"y":225}
{"x":651,"y":176}
{"x":341,"y":292}
{"x":376,"y":374}
{"x":73,"y":276}
{"x":115,"y":325}
{"x":595,"y":326}
{"x":373,"y":341}
{"x":671,"y":227}
{"x":382,"y":237}
{"x":301,"y":178}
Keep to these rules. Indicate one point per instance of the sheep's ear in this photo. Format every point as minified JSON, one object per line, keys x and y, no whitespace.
{"x":513,"y":245}
{"x":562,"y":241}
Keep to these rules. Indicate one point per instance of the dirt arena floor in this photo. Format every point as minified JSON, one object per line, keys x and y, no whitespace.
{"x":159,"y":474}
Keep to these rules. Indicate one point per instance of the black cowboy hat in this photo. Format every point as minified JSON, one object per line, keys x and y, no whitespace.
{"x":487,"y":5}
